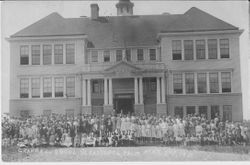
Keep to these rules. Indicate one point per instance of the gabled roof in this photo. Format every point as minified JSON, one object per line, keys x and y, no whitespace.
{"x":120,"y":31}
{"x":123,"y":65}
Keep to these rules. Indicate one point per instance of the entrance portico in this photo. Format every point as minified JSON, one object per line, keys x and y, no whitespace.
{"x":123,"y":83}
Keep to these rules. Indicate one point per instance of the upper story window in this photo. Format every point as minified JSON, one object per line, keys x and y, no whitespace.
{"x":24,"y":55}
{"x":24,"y":88}
{"x":94,"y":56}
{"x":177,"y":83}
{"x":189,"y":79}
{"x":200,"y":49}
{"x":152,"y":54}
{"x":58,"y":53}
{"x":118,"y":55}
{"x":188,"y":50}
{"x":106,"y":56}
{"x":202,"y":82}
{"x":176,"y":50}
{"x":97,"y":86}
{"x":212,"y":48}
{"x":70,"y":53}
{"x":35,"y":52}
{"x":224,"y":48}
{"x":226,"y":82}
{"x":70,"y":86}
{"x":128,"y":54}
{"x":47,"y":54}
{"x":140,"y":55}
{"x":47,"y":87}
{"x":35,"y":84}
{"x":214,"y":82}
{"x":153,"y":84}
{"x":59,"y":87}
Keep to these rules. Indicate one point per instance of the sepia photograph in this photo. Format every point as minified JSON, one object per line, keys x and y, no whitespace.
{"x":125,"y":81}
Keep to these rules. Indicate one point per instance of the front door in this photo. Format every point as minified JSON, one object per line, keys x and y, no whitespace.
{"x":124,"y":105}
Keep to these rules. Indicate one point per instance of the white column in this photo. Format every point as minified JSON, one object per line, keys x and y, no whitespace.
{"x":84,"y":92}
{"x":195,"y":83}
{"x":41,"y":87}
{"x":105,"y":91}
{"x":30,"y":87}
{"x":141,"y":90}
{"x":158,"y":92}
{"x":110,"y":92}
{"x":64,"y":87}
{"x":208,"y":84}
{"x":52,"y":55}
{"x":163,"y":90}
{"x":89,"y":92}
{"x":219,"y":80}
{"x":53,"y":86}
{"x":184,"y":83}
{"x":136,"y":90}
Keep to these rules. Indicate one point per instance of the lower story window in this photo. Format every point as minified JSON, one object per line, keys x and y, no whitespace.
{"x":59,"y":87}
{"x":227,"y":112}
{"x":178,"y":111}
{"x":24,"y":88}
{"x":190,"y":110}
{"x":203,"y":110}
{"x":215,"y":111}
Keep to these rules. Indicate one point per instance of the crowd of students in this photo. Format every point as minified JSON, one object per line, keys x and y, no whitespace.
{"x":121,"y":130}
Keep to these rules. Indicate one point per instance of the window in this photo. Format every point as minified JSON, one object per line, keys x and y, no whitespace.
{"x":59,"y":87}
{"x":227,"y":112}
{"x":47,"y":87}
{"x":178,"y":111}
{"x":214,"y":82}
{"x":152,"y":54}
{"x":188,"y":50}
{"x":24,"y":55}
{"x":140,"y":55}
{"x":94,"y":56}
{"x":190,"y":110}
{"x":70,"y":86}
{"x":106,"y":56}
{"x":46,"y":112}
{"x":226,"y":82}
{"x":153,"y":84}
{"x":189,"y":79}
{"x":35,"y":84}
{"x":177,"y":80}
{"x":118,"y":55}
{"x":58,"y":52}
{"x":224,"y":48}
{"x":70,"y":53}
{"x":215,"y":111}
{"x":35,"y":52}
{"x":202,"y":82}
{"x":212,"y":48}
{"x":95,"y":86}
{"x":200,"y":49}
{"x":24,"y":88}
{"x":203,"y":110}
{"x":176,"y":50}
{"x":70,"y":112}
{"x":128,"y":54}
{"x":47,"y":54}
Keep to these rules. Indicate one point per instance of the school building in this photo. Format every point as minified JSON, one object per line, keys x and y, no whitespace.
{"x":174,"y":64}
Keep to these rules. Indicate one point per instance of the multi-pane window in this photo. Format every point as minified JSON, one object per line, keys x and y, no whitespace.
{"x":152,"y":54}
{"x":224,"y":48}
{"x":106,"y":56}
{"x":94,"y":56}
{"x":140,"y":55}
{"x":35,"y":52}
{"x":227,"y":112}
{"x":59,"y":87}
{"x":47,"y":54}
{"x":153,"y":84}
{"x":70,"y":53}
{"x":47,"y":87}
{"x":226,"y":81}
{"x":214,"y":82}
{"x":58,"y":53}
{"x":128,"y":54}
{"x":24,"y":55}
{"x":203,"y":110}
{"x":118,"y":55}
{"x":35,"y":86}
{"x":212,"y":48}
{"x":95,"y":86}
{"x":176,"y":50}
{"x":215,"y":111}
{"x":177,"y":83}
{"x":200,"y":49}
{"x":190,"y":110}
{"x":189,"y":80}
{"x":202,"y":82}
{"x":188,"y":50}
{"x":70,"y":86}
{"x":178,"y":111}
{"x":24,"y":88}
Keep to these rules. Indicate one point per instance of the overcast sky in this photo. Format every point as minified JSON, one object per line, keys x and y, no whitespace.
{"x":18,"y":15}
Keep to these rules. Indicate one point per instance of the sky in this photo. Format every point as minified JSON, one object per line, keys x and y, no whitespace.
{"x":18,"y":15}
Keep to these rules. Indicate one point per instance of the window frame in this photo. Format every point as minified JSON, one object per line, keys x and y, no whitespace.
{"x":59,"y":85}
{"x":228,"y":83}
{"x":94,"y":56}
{"x":177,"y":81}
{"x":70,"y":86}
{"x":47,"y":87}
{"x":35,"y":55}
{"x":106,"y":55}
{"x":217,"y":90}
{"x":47,"y":55}
{"x":118,"y":55}
{"x":152,"y":56}
{"x":24,"y":87}
{"x":24,"y":55}
{"x":70,"y":53}
{"x":188,"y":50}
{"x":224,"y":47}
{"x":140,"y":54}
{"x":190,"y":87}
{"x":176,"y":50}
{"x":200,"y":83}
{"x":200,"y":49}
{"x":58,"y":54}
{"x":211,"y":49}
{"x":35,"y":87}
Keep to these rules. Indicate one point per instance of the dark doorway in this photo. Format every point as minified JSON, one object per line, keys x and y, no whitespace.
{"x":124,"y":104}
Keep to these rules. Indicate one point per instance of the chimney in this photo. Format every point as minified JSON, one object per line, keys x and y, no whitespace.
{"x":94,"y":11}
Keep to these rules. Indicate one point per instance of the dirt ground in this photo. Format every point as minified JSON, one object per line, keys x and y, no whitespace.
{"x":121,"y":154}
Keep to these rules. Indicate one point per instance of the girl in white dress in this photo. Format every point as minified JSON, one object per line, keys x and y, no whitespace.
{"x":148,"y":131}
{"x":143,"y":131}
{"x":123,"y":123}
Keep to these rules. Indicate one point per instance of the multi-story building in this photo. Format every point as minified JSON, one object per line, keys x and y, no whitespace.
{"x":174,"y":64}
